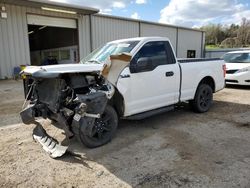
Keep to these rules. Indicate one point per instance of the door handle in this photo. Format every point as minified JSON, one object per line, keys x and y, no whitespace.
{"x":168,"y":74}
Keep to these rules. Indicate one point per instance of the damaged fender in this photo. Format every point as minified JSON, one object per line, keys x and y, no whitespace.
{"x":118,"y":62}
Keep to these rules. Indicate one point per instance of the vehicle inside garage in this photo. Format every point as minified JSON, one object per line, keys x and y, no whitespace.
{"x":52,"y":43}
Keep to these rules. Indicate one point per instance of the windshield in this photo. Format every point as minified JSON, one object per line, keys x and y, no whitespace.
{"x":237,"y":58}
{"x":101,"y":54}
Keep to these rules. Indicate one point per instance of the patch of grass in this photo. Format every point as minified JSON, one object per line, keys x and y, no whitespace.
{"x":212,"y":46}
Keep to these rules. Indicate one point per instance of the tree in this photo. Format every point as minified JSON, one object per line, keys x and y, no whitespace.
{"x":230,"y":42}
{"x":243,"y":33}
{"x":231,"y":31}
{"x":214,"y":34}
{"x":228,"y":36}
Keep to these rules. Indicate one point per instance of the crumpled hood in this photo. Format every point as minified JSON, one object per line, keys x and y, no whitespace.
{"x":51,"y":71}
{"x":236,"y":66}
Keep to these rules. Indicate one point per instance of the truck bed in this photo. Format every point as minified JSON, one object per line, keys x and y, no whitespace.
{"x":192,"y":72}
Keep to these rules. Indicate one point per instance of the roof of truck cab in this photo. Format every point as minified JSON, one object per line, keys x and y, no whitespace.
{"x":140,"y":39}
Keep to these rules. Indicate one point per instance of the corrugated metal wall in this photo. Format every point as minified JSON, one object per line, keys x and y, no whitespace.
{"x":189,"y":40}
{"x":84,"y":36}
{"x":106,"y":29}
{"x":13,"y":40}
{"x":94,"y":31}
{"x":159,"y":30}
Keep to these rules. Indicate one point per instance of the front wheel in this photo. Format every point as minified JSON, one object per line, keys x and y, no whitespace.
{"x":203,"y":98}
{"x":102,"y":131}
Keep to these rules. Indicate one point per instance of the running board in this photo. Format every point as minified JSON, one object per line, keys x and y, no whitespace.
{"x":150,"y":113}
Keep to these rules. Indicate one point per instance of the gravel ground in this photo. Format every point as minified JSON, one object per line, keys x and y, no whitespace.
{"x":175,"y":149}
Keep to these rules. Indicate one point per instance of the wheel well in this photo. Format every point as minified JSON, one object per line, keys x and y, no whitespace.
{"x":117,"y":102}
{"x":209,"y":81}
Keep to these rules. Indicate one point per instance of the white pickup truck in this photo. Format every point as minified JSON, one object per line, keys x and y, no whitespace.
{"x":130,"y":79}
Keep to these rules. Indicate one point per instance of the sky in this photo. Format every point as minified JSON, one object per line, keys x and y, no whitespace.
{"x":188,"y":13}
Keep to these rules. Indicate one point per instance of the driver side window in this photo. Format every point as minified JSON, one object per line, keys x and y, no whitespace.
{"x":156,"y":51}
{"x":152,"y":55}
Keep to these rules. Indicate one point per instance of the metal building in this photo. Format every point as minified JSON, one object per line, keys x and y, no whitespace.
{"x":32,"y":30}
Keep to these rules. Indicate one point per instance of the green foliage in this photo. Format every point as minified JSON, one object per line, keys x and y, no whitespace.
{"x":211,"y":46}
{"x":227,"y":36}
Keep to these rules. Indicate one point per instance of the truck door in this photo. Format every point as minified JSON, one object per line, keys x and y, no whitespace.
{"x":152,"y":80}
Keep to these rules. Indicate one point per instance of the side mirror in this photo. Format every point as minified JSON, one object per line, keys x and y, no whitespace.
{"x":143,"y":64}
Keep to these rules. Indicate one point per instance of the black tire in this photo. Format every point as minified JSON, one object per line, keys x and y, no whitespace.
{"x":203,"y":98}
{"x":103,"y":130}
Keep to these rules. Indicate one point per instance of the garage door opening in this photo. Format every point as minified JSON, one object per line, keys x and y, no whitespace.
{"x":52,"y":40}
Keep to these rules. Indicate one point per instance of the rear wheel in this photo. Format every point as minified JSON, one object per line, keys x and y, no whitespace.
{"x":102,"y":131}
{"x":203,"y":98}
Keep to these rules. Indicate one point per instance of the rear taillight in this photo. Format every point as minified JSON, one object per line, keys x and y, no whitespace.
{"x":224,"y":70}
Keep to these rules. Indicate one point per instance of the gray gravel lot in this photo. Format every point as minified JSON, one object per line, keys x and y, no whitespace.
{"x":175,"y":149}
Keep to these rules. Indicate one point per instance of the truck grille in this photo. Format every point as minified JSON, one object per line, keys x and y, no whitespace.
{"x":232,"y":71}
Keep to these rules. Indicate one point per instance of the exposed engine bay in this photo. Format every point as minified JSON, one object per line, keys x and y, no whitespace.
{"x":67,"y":99}
{"x":68,"y":92}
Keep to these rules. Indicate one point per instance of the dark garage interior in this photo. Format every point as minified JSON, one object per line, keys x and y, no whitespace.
{"x":53,"y":45}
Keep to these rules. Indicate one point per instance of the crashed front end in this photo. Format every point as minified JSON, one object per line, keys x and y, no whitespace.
{"x":73,"y":100}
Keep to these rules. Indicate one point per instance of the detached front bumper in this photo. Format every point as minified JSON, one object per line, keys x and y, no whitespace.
{"x":49,"y":144}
